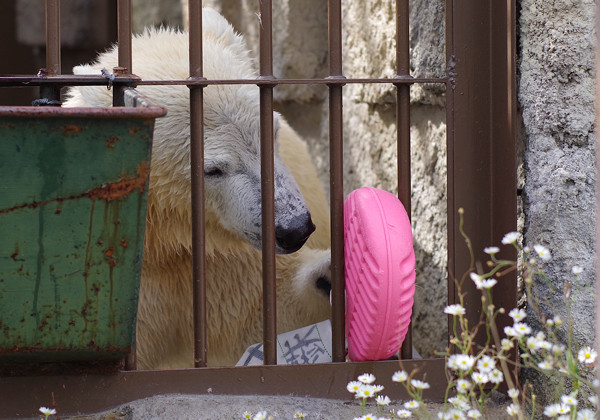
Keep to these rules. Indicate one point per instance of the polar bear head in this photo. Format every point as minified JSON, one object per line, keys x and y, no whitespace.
{"x":231,"y":136}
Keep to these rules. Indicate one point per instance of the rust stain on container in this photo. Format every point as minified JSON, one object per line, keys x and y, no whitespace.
{"x":110,"y":191}
{"x":71,"y":128}
{"x":123,"y":187}
{"x":110,"y":142}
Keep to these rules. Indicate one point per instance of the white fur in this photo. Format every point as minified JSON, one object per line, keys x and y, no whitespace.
{"x":231,"y":117}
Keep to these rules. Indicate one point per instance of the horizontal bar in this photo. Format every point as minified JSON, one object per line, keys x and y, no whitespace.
{"x":77,"y":80}
{"x":93,"y":393}
{"x":65,"y":80}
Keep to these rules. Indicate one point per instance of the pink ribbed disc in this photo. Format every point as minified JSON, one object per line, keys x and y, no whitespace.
{"x":380,"y":273}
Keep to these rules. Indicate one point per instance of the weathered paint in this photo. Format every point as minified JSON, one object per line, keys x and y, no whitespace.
{"x":72,"y":213}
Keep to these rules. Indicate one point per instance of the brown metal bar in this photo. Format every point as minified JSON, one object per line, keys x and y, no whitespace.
{"x":81,"y":80}
{"x":53,"y":37}
{"x":53,"y":66}
{"x":267,"y":186}
{"x":197,"y":168}
{"x":403,"y":127}
{"x":124,"y":34}
{"x":87,"y":394}
{"x":481,"y":139}
{"x":336,"y":162}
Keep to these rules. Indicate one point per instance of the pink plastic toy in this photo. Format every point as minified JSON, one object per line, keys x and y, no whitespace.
{"x":380,"y":273}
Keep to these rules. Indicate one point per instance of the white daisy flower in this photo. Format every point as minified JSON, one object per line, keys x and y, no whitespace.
{"x":462,"y":386}
{"x":513,"y":409}
{"x":513,"y":393}
{"x":461,"y":362}
{"x":261,"y":415}
{"x":454,"y":310}
{"x":522,"y":329}
{"x":491,"y":250}
{"x":419,"y":384}
{"x":486,"y":364}
{"x":488,"y":283}
{"x":510,"y":238}
{"x":594,"y":400}
{"x":473,"y":414}
{"x":366,"y":391}
{"x":47,"y":411}
{"x":586,"y":414}
{"x":517,"y":314}
{"x":569,"y":400}
{"x":480,"y":378}
{"x":476,"y":279}
{"x":543,"y":252}
{"x":400,"y":376}
{"x":563,"y":409}
{"x":577,"y":270}
{"x":545,"y":365}
{"x":381,"y":400}
{"x":551,"y":410}
{"x":587,"y":355}
{"x":354,"y":386}
{"x":299,"y":415}
{"x":460,"y":402}
{"x":411,"y":405}
{"x":454,"y":414}
{"x":496,"y":376}
{"x":506,"y":344}
{"x":404,"y":414}
{"x":367,"y":378}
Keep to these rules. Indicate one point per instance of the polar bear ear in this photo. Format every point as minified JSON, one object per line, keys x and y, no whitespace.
{"x":215,"y":24}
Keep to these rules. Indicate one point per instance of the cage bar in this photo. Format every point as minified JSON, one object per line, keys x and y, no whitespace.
{"x":124,"y":34}
{"x":336,"y":180}
{"x":197,"y":179}
{"x":403,"y":127}
{"x":53,"y":65}
{"x":267,"y":186}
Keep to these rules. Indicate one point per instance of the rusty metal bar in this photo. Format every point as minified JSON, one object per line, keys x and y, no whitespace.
{"x":403,"y":126}
{"x":336,"y":180}
{"x":53,"y":37}
{"x":481,"y":140}
{"x":93,"y":393}
{"x":124,"y":52}
{"x":53,"y":66}
{"x":124,"y":34}
{"x":197,"y":168}
{"x":267,"y":186}
{"x":84,"y":80}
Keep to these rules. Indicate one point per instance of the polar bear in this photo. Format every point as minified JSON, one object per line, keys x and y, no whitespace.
{"x":164,"y":337}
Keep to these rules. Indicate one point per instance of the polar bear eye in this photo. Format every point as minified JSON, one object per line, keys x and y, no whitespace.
{"x":213,"y":172}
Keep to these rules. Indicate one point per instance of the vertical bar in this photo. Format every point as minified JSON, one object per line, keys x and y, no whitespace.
{"x":53,"y":37}
{"x":403,"y":126}
{"x":336,"y":181}
{"x":451,"y":207}
{"x":124,"y":33}
{"x":197,"y":168}
{"x":267,"y":186}
{"x":482,"y":151}
{"x":124,"y":52}
{"x":53,"y":66}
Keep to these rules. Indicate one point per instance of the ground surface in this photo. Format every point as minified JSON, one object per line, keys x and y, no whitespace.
{"x":218,"y":407}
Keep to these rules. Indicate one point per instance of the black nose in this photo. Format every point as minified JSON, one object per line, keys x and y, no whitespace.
{"x":291,"y":237}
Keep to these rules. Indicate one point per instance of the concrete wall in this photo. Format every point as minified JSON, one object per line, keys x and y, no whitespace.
{"x":556,"y":93}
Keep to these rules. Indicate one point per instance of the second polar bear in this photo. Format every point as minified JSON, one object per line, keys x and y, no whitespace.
{"x":233,"y":207}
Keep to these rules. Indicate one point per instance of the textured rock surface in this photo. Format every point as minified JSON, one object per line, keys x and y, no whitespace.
{"x":557,"y":98}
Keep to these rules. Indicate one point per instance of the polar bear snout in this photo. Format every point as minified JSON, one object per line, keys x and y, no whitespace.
{"x":291,"y":237}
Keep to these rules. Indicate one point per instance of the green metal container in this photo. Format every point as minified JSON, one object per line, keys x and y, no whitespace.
{"x":73,"y":192}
